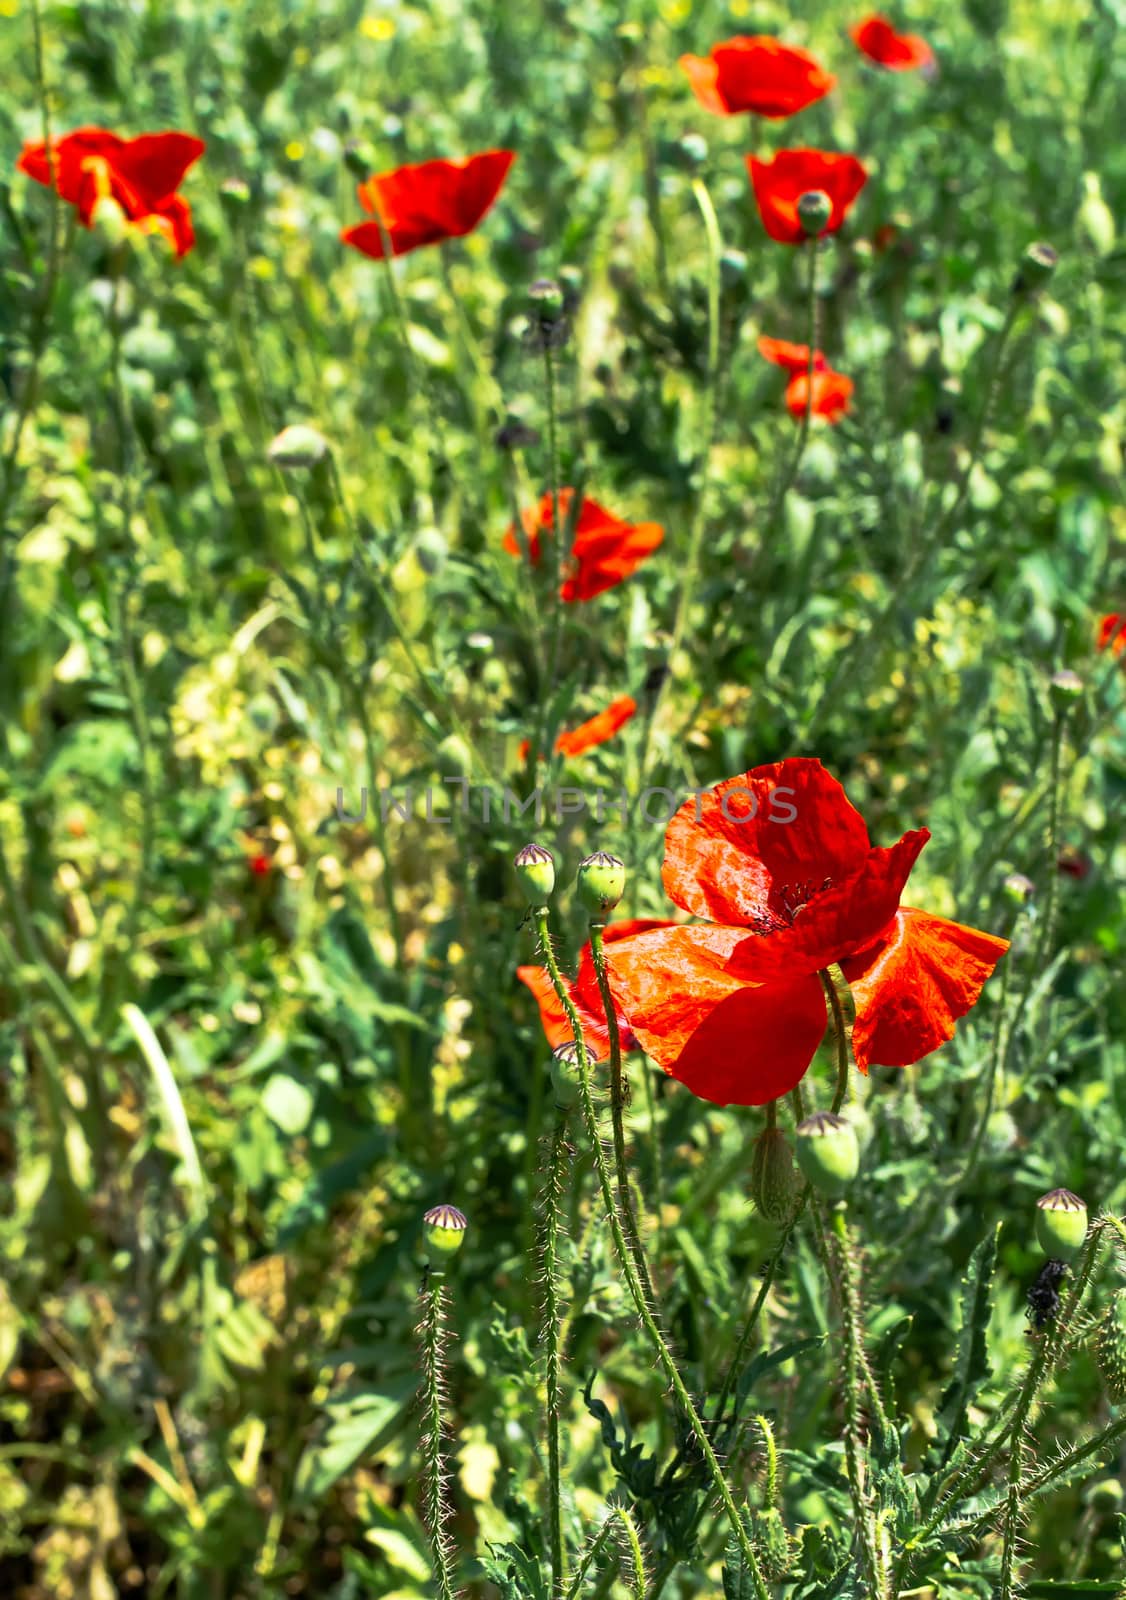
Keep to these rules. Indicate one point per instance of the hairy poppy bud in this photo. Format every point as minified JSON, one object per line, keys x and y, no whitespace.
{"x":565,"y":1073}
{"x":828,"y":1153}
{"x":1110,"y":1348}
{"x":547,"y":299}
{"x":1065,"y":688}
{"x":602,"y":881}
{"x":773,"y":1179}
{"x":814,"y":211}
{"x":771,"y":1543}
{"x":535,"y":868}
{"x":1037,"y":265}
{"x":444,"y":1230}
{"x":454,"y":757}
{"x":1061,"y":1224}
{"x":1019,"y":888}
{"x":297,"y":446}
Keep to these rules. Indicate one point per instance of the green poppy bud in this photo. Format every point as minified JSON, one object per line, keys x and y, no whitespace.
{"x":454,"y":756}
{"x":773,"y":1176}
{"x":297,"y":446}
{"x":444,"y":1229}
{"x":602,"y":881}
{"x":828,"y":1153}
{"x":815,"y":211}
{"x":1110,"y":1348}
{"x":565,"y":1073}
{"x":535,"y":868}
{"x":732,"y":268}
{"x":234,"y":192}
{"x":1061,"y":1224}
{"x":1037,"y":265}
{"x":1065,"y":688}
{"x":771,"y":1543}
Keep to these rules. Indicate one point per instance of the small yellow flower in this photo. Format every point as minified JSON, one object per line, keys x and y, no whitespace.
{"x":294,"y":150}
{"x":378,"y":28}
{"x":9,"y":8}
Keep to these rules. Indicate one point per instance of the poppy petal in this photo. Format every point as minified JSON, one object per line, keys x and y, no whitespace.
{"x":703,"y":75}
{"x":556,"y":1025}
{"x":913,"y":984}
{"x":154,"y":164}
{"x":730,"y":849}
{"x":728,"y":1041}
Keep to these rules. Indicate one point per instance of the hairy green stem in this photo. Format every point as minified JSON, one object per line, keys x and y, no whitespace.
{"x":553,"y":1345}
{"x":629,"y":1273}
{"x":617,"y":1109}
{"x":852,"y":1328}
{"x":432,"y":1331}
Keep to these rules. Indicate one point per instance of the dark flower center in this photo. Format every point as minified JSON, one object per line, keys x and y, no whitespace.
{"x":785,"y":902}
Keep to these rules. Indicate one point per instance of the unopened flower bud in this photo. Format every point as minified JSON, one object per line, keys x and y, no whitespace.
{"x":771,"y":1543}
{"x":297,"y":446}
{"x":773,"y":1176}
{"x":1104,"y":1495}
{"x":1065,"y":688}
{"x":1110,"y":1348}
{"x":1095,"y":219}
{"x":1019,"y":888}
{"x":444,"y":1230}
{"x":1037,"y":265}
{"x":602,"y":881}
{"x":535,"y":868}
{"x":1061,"y":1224}
{"x":454,"y":756}
{"x":815,"y":210}
{"x":565,"y":1073}
{"x":828,"y":1153}
{"x":431,"y":550}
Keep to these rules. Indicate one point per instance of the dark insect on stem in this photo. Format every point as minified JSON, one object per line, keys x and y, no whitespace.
{"x":1044,"y":1295}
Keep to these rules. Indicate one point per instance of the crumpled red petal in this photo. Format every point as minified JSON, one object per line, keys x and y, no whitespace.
{"x":921,"y":975}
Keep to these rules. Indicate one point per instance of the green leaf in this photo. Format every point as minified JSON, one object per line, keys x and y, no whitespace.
{"x":971,"y":1362}
{"x":359,"y":1423}
{"x":287,"y":1102}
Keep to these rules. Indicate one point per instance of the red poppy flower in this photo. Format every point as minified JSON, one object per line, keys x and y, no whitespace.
{"x":598,"y":729}
{"x":832,"y":392}
{"x":141,"y":175}
{"x":780,"y":865}
{"x":793,"y":357}
{"x":1073,"y":863}
{"x":899,"y":52}
{"x":756,"y":74}
{"x":605,"y":550}
{"x":584,"y":995}
{"x":779,"y":185}
{"x":260,"y":866}
{"x":1112,"y":633}
{"x":427,"y":203}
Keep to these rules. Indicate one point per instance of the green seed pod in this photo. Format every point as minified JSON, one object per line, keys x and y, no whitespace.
{"x":234,"y":193}
{"x":297,"y":446}
{"x":1094,"y":219}
{"x":815,"y":210}
{"x":828,"y":1153}
{"x":602,"y":881}
{"x":454,"y":757}
{"x":1061,"y":1224}
{"x":1037,"y":265}
{"x":535,"y":868}
{"x":1110,"y":1348}
{"x":1065,"y":688}
{"x":773,"y":1176}
{"x":771,"y":1543}
{"x":547,"y":300}
{"x":565,"y":1073}
{"x":444,"y":1231}
{"x":1019,"y":889}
